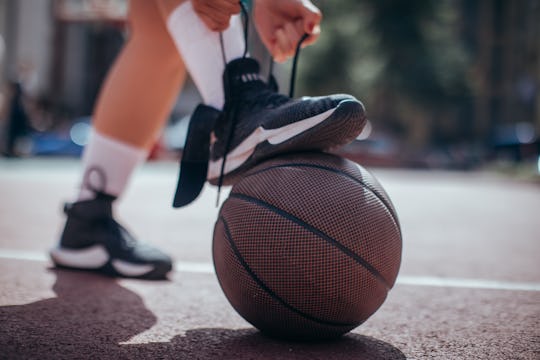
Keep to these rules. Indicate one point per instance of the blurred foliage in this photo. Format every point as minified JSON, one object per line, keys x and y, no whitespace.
{"x":404,"y":59}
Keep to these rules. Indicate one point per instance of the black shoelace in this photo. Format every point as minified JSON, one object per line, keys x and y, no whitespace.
{"x":233,"y":104}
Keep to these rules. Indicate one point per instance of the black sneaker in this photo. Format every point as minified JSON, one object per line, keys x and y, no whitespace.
{"x":256,"y":123}
{"x":92,"y":240}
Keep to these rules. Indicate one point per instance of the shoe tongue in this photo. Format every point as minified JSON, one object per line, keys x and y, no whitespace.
{"x":242,"y":66}
{"x":241,"y":72}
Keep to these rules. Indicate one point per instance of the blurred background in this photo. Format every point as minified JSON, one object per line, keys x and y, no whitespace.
{"x":450,"y":84}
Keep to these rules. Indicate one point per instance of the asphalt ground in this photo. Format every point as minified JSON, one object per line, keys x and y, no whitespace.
{"x":469,"y":285}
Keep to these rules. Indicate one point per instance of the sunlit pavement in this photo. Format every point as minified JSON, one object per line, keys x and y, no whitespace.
{"x":469,"y":287}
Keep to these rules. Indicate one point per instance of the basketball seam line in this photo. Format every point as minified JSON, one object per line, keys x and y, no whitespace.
{"x":336,"y":171}
{"x":268,"y":289}
{"x":317,"y":232}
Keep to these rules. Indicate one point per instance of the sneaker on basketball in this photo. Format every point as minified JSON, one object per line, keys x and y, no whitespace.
{"x":257,"y":122}
{"x":93,"y":240}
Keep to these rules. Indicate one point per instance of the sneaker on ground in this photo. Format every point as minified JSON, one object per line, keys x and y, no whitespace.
{"x":92,"y":240}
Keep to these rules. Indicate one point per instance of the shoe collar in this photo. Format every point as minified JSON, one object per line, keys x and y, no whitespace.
{"x":99,"y":206}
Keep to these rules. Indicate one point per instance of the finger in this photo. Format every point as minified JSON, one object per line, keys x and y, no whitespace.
{"x":313,"y":37}
{"x":227,"y":7}
{"x":210,"y":23}
{"x":234,"y":7}
{"x":280,"y":46}
{"x":217,"y":13}
{"x":312,"y":17}
{"x":294,"y":35}
{"x":299,"y":26}
{"x":214,"y":25}
{"x":215,"y":21}
{"x":283,"y":42}
{"x":278,"y":56}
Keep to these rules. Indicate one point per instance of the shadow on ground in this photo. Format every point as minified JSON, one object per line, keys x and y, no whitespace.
{"x":92,"y":315}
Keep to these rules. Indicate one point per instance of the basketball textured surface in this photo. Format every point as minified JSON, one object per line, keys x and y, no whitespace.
{"x":307,"y":246}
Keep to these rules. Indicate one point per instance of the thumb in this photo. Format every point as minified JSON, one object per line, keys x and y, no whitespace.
{"x":311,"y":16}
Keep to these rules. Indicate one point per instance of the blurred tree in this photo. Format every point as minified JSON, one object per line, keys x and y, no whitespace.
{"x":404,"y":59}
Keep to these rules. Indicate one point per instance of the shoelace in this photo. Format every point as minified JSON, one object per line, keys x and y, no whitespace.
{"x":231,"y":114}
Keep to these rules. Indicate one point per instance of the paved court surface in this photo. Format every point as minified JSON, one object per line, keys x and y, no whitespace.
{"x":469,"y":287}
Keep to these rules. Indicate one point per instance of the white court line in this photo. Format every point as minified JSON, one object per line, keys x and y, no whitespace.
{"x":467,"y":283}
{"x":208,"y":268}
{"x":23,"y":255}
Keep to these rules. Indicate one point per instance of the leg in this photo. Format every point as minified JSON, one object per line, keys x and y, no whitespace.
{"x":134,"y":102}
{"x":133,"y":106}
{"x":143,"y":84}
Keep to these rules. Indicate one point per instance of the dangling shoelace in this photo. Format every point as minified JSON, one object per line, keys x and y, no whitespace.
{"x":231,"y":114}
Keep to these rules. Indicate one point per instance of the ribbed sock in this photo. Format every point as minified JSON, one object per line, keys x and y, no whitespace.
{"x":107,"y":166}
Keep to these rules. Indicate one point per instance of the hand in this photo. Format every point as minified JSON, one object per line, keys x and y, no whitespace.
{"x":282,"y":23}
{"x":216,"y":14}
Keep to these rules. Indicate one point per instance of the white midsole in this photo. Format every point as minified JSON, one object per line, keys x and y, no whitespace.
{"x":94,"y":257}
{"x":274,"y":136}
{"x":130,"y":269}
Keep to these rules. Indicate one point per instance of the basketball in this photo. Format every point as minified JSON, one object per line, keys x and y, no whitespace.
{"x":307,"y":246}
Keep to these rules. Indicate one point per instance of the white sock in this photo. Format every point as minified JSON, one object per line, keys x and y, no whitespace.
{"x":107,"y":166}
{"x":201,"y":50}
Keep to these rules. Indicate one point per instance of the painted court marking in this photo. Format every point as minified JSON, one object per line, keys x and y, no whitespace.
{"x":208,"y":268}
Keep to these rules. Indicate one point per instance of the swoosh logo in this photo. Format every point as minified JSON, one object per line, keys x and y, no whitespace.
{"x":274,"y":136}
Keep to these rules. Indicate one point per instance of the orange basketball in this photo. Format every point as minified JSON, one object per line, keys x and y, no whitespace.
{"x":307,"y":246}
